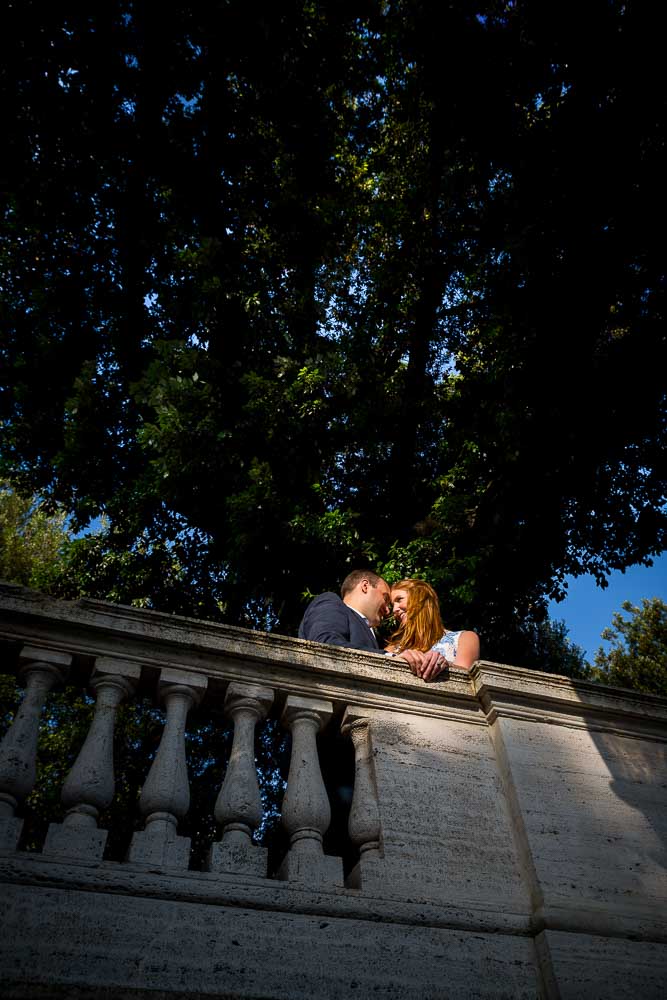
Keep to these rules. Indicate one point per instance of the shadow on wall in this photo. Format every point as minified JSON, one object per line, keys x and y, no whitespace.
{"x":637,"y":771}
{"x":590,"y":806}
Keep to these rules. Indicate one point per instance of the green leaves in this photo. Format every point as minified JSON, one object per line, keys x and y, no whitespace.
{"x":296,"y":289}
{"x":32,"y":540}
{"x":637,"y":657}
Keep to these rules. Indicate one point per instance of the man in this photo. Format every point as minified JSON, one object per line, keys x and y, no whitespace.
{"x":349,"y":620}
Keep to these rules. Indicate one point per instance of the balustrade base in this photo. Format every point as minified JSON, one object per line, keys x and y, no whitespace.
{"x":312,"y":870}
{"x":369,"y":875}
{"x":162,"y":848}
{"x":10,"y":831}
{"x":244,"y":859}
{"x":86,"y":843}
{"x":66,"y":944}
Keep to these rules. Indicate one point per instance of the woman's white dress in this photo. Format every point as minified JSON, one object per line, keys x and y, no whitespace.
{"x":448,"y":645}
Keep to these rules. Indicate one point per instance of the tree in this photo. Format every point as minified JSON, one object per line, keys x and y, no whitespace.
{"x":300,"y":286}
{"x":545,"y":646}
{"x":637,"y":658}
{"x":32,"y":542}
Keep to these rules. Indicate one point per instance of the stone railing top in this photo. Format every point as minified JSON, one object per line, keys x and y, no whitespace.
{"x":89,"y":629}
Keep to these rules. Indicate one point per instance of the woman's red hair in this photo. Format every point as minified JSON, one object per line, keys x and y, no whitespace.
{"x":422,"y":626}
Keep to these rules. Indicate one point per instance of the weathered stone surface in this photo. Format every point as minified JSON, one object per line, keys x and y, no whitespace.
{"x":165,"y":797}
{"x":311,"y":868}
{"x":512,"y":829}
{"x":90,"y":785}
{"x":39,"y":669}
{"x":241,"y":856}
{"x":159,"y":846}
{"x":605,"y":968}
{"x":270,"y":894}
{"x":78,"y":841}
{"x":364,"y":824}
{"x":238,"y":808}
{"x":445,"y":825}
{"x":592,"y":812}
{"x":10,"y":831}
{"x":116,"y":942}
{"x":306,"y":812}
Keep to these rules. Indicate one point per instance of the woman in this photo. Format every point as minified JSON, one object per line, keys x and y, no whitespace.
{"x":417,"y":611}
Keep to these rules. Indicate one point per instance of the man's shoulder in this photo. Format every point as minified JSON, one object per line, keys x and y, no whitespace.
{"x":326,"y":598}
{"x":326,"y":609}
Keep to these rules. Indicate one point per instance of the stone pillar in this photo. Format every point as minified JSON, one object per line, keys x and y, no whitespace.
{"x":90,"y":785}
{"x":306,"y":812}
{"x":364,"y":820}
{"x":238,"y":808}
{"x":165,"y":797}
{"x":40,"y":670}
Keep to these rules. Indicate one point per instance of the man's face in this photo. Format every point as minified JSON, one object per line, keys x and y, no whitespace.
{"x":379,"y":603}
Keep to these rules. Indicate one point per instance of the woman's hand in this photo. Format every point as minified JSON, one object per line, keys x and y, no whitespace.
{"x":425,"y":665}
{"x":433,"y":664}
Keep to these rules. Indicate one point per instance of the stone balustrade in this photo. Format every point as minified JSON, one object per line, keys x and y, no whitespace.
{"x":179,"y":681}
{"x":39,"y":669}
{"x":506,"y":830}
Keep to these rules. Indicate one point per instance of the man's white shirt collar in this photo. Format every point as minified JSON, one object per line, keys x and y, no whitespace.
{"x":363,"y":617}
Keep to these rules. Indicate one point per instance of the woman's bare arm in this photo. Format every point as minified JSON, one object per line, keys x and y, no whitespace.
{"x":467,"y":650}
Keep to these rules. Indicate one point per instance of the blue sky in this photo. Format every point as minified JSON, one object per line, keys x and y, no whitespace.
{"x":588,"y":609}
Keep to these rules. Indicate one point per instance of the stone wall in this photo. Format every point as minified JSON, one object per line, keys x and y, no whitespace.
{"x":510,"y":826}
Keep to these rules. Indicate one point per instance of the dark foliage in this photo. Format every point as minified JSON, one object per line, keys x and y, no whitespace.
{"x":292,"y":286}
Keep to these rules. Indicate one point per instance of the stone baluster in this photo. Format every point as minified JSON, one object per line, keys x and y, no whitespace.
{"x":364,"y":820}
{"x":306,"y":812}
{"x":238,"y":808}
{"x":90,"y":785}
{"x":165,"y":797}
{"x":40,"y":670}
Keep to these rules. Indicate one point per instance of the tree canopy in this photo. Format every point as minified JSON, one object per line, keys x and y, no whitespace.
{"x":294,"y":287}
{"x":32,"y":542}
{"x":637,"y":656}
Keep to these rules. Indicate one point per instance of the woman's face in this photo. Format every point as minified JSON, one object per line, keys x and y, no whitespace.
{"x":399,"y":604}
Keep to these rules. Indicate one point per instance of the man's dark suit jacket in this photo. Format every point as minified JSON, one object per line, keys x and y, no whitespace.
{"x":328,"y":619}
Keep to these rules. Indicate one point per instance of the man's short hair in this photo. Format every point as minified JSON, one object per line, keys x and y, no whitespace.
{"x":354,"y":578}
